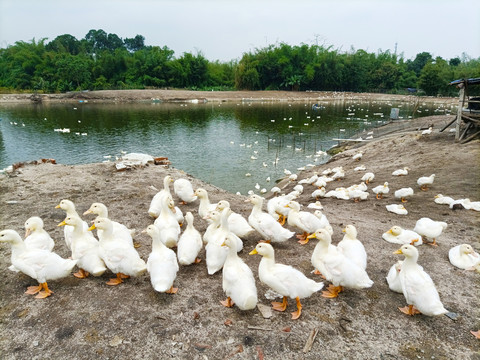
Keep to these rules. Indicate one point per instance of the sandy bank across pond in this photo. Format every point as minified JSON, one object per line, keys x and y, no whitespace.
{"x":87,"y":319}
{"x":106,"y":96}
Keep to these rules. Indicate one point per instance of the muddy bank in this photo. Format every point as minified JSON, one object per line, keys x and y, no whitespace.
{"x":87,"y":319}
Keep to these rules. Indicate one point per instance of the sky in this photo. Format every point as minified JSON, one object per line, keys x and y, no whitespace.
{"x":225,"y":29}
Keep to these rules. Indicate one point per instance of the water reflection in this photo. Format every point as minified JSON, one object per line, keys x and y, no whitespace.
{"x":218,"y":143}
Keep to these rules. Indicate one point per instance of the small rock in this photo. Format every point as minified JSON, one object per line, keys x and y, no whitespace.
{"x":117,"y":340}
{"x":265,"y":310}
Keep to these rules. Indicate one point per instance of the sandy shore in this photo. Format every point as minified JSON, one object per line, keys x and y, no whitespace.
{"x":87,"y":319}
{"x":212,"y":96}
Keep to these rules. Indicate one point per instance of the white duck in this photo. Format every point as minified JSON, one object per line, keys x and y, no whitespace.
{"x":284,"y":279}
{"x":167,"y":223}
{"x":381,"y":190}
{"x":214,"y":218}
{"x":398,"y":235}
{"x":121,"y":231}
{"x":276,"y":207}
{"x":69,"y":208}
{"x":340,"y":270}
{"x":205,"y":206}
{"x":417,"y":286}
{"x":265,"y":224}
{"x":398,"y":209}
{"x":430,"y":229}
{"x":401,"y":172}
{"x":85,"y":249}
{"x":393,"y":277}
{"x":358,"y":156}
{"x":443,"y":200}
{"x":424,"y":181}
{"x":184,"y":190}
{"x":463,"y":256}
{"x":161,"y":264}
{"x":317,"y":205}
{"x":404,"y":193}
{"x":319,"y":193}
{"x":353,"y":248}
{"x":304,"y":221}
{"x":237,"y":279}
{"x":236,"y":222}
{"x":155,"y":204}
{"x":41,"y":265}
{"x":121,"y":259}
{"x":189,"y":244}
{"x":368,"y":177}
{"x":215,"y":253}
{"x":357,"y":194}
{"x":35,"y":235}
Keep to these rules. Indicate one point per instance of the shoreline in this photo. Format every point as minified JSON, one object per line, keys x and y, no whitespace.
{"x":115,"y":96}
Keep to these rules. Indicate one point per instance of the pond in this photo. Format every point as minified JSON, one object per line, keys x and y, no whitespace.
{"x":235,"y":146}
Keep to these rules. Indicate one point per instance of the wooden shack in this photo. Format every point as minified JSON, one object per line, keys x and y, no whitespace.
{"x":467,"y":121}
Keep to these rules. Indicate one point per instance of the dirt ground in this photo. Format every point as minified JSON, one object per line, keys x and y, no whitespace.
{"x":87,"y":319}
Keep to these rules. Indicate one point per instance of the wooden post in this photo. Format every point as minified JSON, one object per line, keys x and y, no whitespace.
{"x":459,"y":111}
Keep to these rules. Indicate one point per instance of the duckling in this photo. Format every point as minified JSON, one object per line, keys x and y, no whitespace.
{"x":69,"y":208}
{"x":463,"y":256}
{"x":121,"y":259}
{"x":424,"y":181}
{"x":429,"y":228}
{"x":184,"y":190}
{"x":303,"y":220}
{"x":353,"y":248}
{"x":189,"y":244}
{"x":41,"y":265}
{"x":236,"y":222}
{"x":237,"y":279}
{"x":417,"y":286}
{"x":265,"y":224}
{"x":284,"y":279}
{"x":35,"y":236}
{"x":398,"y":235}
{"x":121,"y":232}
{"x":339,"y":269}
{"x":85,"y":249}
{"x":403,"y":193}
{"x":380,"y":190}
{"x":161,"y":264}
{"x":167,"y":223}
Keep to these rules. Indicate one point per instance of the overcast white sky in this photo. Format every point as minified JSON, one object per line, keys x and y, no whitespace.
{"x":223,"y":30}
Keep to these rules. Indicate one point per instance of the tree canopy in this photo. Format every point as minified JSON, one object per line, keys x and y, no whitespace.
{"x":105,"y":61}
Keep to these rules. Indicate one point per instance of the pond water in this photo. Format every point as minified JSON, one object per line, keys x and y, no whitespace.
{"x":219,"y":143}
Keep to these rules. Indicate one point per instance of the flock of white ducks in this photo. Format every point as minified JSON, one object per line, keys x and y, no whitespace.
{"x":344,"y":265}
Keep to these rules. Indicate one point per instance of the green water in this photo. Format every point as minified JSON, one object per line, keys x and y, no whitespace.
{"x":213,"y":142}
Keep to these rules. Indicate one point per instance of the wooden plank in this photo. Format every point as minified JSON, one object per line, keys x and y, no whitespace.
{"x":459,"y":112}
{"x":469,"y":125}
{"x":450,"y":123}
{"x":471,"y":137}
